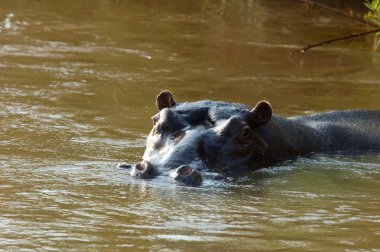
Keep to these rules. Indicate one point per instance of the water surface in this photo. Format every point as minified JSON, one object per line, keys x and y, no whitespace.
{"x":78,"y":83}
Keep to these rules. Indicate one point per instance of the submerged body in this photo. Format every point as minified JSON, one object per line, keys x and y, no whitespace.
{"x":229,"y":138}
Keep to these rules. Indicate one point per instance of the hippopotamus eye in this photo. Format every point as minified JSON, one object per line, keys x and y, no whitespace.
{"x":155,"y":131}
{"x":244,"y":134}
{"x":164,"y":127}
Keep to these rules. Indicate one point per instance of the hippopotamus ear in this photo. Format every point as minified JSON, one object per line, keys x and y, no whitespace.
{"x":261,"y":114}
{"x":165,"y":100}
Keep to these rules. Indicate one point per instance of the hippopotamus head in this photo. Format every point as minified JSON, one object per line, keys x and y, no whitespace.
{"x":190,"y":138}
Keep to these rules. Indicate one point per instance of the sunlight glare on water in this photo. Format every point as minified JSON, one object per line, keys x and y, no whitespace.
{"x":78,"y":84}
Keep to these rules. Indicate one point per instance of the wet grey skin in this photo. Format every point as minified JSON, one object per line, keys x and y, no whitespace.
{"x":191,"y":139}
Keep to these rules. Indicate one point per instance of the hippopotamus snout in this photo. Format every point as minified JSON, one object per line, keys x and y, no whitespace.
{"x":188,"y":176}
{"x":145,"y":170}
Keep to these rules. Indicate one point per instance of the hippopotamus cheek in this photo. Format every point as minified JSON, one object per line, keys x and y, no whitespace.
{"x":241,"y":152}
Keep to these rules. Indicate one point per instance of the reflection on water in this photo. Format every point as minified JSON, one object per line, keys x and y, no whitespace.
{"x":78,"y":83}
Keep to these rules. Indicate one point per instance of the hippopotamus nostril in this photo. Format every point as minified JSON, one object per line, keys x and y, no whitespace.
{"x":140,"y":166}
{"x":185,"y":171}
{"x":124,"y":165}
{"x":188,"y":176}
{"x":143,"y":170}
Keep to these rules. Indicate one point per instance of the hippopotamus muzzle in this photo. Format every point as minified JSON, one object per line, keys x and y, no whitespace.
{"x":145,"y":170}
{"x":188,"y":176}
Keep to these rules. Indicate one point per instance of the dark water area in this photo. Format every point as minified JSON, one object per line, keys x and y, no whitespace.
{"x":78,"y":81}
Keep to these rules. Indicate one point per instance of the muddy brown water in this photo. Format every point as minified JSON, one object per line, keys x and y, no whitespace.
{"x":78,"y":82}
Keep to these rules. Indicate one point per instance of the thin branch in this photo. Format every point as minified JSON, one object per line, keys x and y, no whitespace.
{"x":354,"y":35}
{"x":323,"y":6}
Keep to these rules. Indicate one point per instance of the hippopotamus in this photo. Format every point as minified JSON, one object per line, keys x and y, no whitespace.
{"x":191,"y":139}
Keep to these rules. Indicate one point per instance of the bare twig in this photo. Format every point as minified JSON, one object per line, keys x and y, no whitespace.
{"x":354,"y":35}
{"x":326,"y":7}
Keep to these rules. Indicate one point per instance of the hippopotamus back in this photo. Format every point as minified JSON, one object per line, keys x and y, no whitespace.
{"x":346,"y":130}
